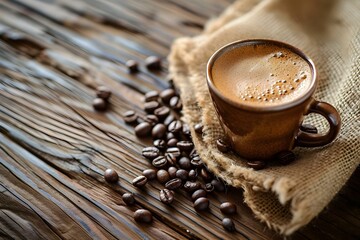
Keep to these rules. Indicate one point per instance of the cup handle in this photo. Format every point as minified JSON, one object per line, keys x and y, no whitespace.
{"x":305,"y":139}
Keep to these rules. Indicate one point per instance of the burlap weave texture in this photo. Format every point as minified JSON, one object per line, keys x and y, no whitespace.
{"x":328,"y":31}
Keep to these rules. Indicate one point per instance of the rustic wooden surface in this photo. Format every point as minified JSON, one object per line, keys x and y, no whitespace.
{"x":54,"y":148}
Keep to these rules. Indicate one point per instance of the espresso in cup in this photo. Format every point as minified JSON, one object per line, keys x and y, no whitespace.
{"x":261,"y":75}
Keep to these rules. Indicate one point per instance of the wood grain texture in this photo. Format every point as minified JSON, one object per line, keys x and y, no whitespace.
{"x":54,"y":148}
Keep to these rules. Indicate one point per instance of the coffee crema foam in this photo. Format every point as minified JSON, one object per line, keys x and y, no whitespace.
{"x":261,"y":74}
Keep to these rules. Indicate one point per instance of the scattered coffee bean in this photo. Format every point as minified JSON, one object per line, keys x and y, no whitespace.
{"x":186,"y":130}
{"x":218,"y":185}
{"x":166,"y":196}
{"x":228,"y":224}
{"x":158,"y":131}
{"x":175,"y":126}
{"x":198,"y":194}
{"x":209,"y":187}
{"x":171,"y":159}
{"x":159,"y":162}
{"x":228,"y":208}
{"x":162,"y":112}
{"x":174,"y":151}
{"x":132,"y":66}
{"x":173,"y":184}
{"x":196,"y":161}
{"x":201,"y":204}
{"x":142,"y":129}
{"x":142,"y":216}
{"x":111,"y":176}
{"x":99,"y":104}
{"x":149,"y":107}
{"x":285,"y":157}
{"x":198,"y":128}
{"x":151,"y":119}
{"x":167,"y":94}
{"x":150,"y":174}
{"x":169,"y":119}
{"x":160,"y":144}
{"x":205,"y":174}
{"x":172,"y":142}
{"x":175,"y":103}
{"x":222,"y":146}
{"x":103,"y":92}
{"x":308,"y":128}
{"x":153,"y":63}
{"x":150,"y":152}
{"x":192,"y":186}
{"x":139,"y":181}
{"x":128,"y":198}
{"x":172,"y":171}
{"x":151,"y":96}
{"x":193,"y":174}
{"x":256,"y":165}
{"x":130,"y":116}
{"x":184,"y":163}
{"x":182,"y":174}
{"x":162,"y":176}
{"x":186,"y":146}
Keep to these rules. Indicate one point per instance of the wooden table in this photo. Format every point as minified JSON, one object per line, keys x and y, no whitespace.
{"x":54,"y":147}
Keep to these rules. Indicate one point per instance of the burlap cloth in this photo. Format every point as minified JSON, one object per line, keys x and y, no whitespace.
{"x":285,"y":197}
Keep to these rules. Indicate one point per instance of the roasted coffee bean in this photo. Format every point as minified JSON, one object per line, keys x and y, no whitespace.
{"x":139,"y":181}
{"x":162,"y":112}
{"x":172,"y":142}
{"x":142,"y":129}
{"x":228,"y":208}
{"x":130,"y":116}
{"x":256,"y":165}
{"x":162,"y":176}
{"x":153,"y":63}
{"x":228,"y":224}
{"x":191,"y":186}
{"x":174,"y":151}
{"x":170,"y":135}
{"x":151,"y":119}
{"x":103,"y":92}
{"x":128,"y":198}
{"x":186,"y":130}
{"x":196,"y":162}
{"x":158,"y":131}
{"x":193,"y":174}
{"x":167,"y":94}
{"x":111,"y":176}
{"x":151,"y":96}
{"x":149,"y":107}
{"x":132,"y":66}
{"x":285,"y":157}
{"x":201,"y":204}
{"x":198,"y":194}
{"x":205,"y":174}
{"x":99,"y":104}
{"x":150,"y":174}
{"x":186,"y":146}
{"x":150,"y":152}
{"x":160,"y":162}
{"x":193,"y":153}
{"x":198,"y":128}
{"x":142,"y":216}
{"x":184,"y":163}
{"x":308,"y":128}
{"x":182,"y":174}
{"x":218,"y":185}
{"x":209,"y":187}
{"x":173,"y":184}
{"x":169,"y":119}
{"x":175,"y":126}
{"x":172,"y":171}
{"x":222,"y":146}
{"x":171,"y":159}
{"x":160,"y":144}
{"x":175,"y":103}
{"x":166,"y":196}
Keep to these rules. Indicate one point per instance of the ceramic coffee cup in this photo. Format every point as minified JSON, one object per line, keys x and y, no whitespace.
{"x":258,"y":132}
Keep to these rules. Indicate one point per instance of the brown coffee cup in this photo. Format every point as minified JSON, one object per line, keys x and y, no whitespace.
{"x":258,"y":132}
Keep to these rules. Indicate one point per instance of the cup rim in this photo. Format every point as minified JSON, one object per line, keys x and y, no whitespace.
{"x":295,"y":102}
